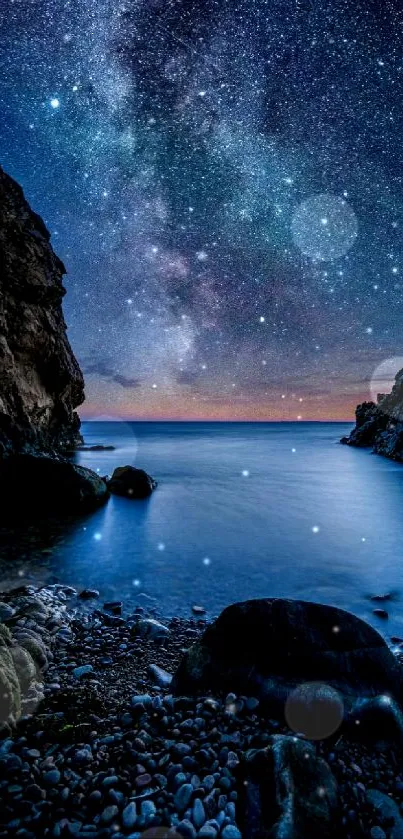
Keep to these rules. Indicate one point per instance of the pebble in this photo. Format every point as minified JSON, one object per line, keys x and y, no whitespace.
{"x":198,"y":813}
{"x":159,"y":676}
{"x":207,"y":832}
{"x":198,"y":610}
{"x":82,"y":670}
{"x":129,"y":815}
{"x":251,"y":703}
{"x":52,"y":776}
{"x":147,"y":811}
{"x":377,"y":833}
{"x":186,"y":829}
{"x":231,"y":832}
{"x":183,"y":796}
{"x":109,"y":813}
{"x":143,"y":781}
{"x":6,"y":612}
{"x":151,"y":628}
{"x":83,"y":756}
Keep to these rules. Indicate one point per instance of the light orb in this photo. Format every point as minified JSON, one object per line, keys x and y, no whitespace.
{"x":324,"y":227}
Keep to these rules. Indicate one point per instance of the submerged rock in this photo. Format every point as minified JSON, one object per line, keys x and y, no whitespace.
{"x":41,"y":382}
{"x":268,"y":648}
{"x":286,"y":792}
{"x":35,"y":483}
{"x":131,"y":483}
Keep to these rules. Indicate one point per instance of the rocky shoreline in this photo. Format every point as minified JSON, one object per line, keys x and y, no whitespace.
{"x":109,"y":751}
{"x":380,"y":425}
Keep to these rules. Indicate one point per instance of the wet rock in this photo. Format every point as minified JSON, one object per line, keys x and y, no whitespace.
{"x":36,"y":483}
{"x":183,"y":797}
{"x":131,"y":482}
{"x":198,"y":610}
{"x":129,"y":816}
{"x":388,"y":811}
{"x":109,"y":813}
{"x":82,"y":670}
{"x":377,"y":832}
{"x":267,"y":648}
{"x":159,"y":676}
{"x":378,"y":720}
{"x":89,"y":594}
{"x":150,"y":628}
{"x":286,"y":791}
{"x":114,"y":606}
{"x":6,"y":612}
{"x":381,"y":613}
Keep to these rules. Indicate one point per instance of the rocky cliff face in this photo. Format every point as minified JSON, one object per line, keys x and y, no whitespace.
{"x":40,"y":381}
{"x":380,"y":425}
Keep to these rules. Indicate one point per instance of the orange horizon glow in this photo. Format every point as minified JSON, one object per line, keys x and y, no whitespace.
{"x":169,"y":409}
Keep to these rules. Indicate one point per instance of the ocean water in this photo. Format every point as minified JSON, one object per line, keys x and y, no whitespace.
{"x":242,"y":510}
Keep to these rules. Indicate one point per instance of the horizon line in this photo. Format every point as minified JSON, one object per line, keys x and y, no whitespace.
{"x":218,"y":421}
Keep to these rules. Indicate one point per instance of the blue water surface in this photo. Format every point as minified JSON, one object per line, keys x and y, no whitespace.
{"x":242,"y":510}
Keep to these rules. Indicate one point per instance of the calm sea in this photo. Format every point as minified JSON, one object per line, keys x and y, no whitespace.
{"x":242,"y":510}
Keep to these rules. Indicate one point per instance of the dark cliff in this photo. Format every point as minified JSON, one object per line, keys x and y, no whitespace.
{"x":380,"y":425}
{"x":40,"y":381}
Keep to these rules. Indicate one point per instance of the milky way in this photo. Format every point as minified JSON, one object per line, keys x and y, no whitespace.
{"x":223,"y":181}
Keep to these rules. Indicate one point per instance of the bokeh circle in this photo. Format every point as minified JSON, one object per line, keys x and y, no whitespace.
{"x":383,"y":377}
{"x":314,"y":710}
{"x":324,"y":227}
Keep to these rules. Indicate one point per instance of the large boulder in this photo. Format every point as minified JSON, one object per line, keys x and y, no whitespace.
{"x":20,"y":680}
{"x":41,"y":382}
{"x":34,"y":483}
{"x":131,"y":482}
{"x":26,"y":633}
{"x":286,"y":792}
{"x":269,"y":648}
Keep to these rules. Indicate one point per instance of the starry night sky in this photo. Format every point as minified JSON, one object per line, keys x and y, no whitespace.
{"x":223,"y":180}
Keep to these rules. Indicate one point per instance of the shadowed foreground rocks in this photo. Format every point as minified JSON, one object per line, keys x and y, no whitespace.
{"x":110,"y":752}
{"x":268,"y":648}
{"x":40,"y":484}
{"x":380,"y":425}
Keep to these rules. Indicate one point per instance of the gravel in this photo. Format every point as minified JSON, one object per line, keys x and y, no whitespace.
{"x":111,"y":753}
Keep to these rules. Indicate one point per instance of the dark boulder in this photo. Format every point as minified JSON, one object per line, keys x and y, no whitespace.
{"x":269,"y":648}
{"x":131,"y":482}
{"x":34,"y":483}
{"x":377,"y":721}
{"x":286,"y":792}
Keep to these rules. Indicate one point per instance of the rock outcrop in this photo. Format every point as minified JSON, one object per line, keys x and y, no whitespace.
{"x":28,"y":619}
{"x":380,"y":425}
{"x":131,"y":482}
{"x":286,"y":792}
{"x":269,"y":648}
{"x":41,"y":383}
